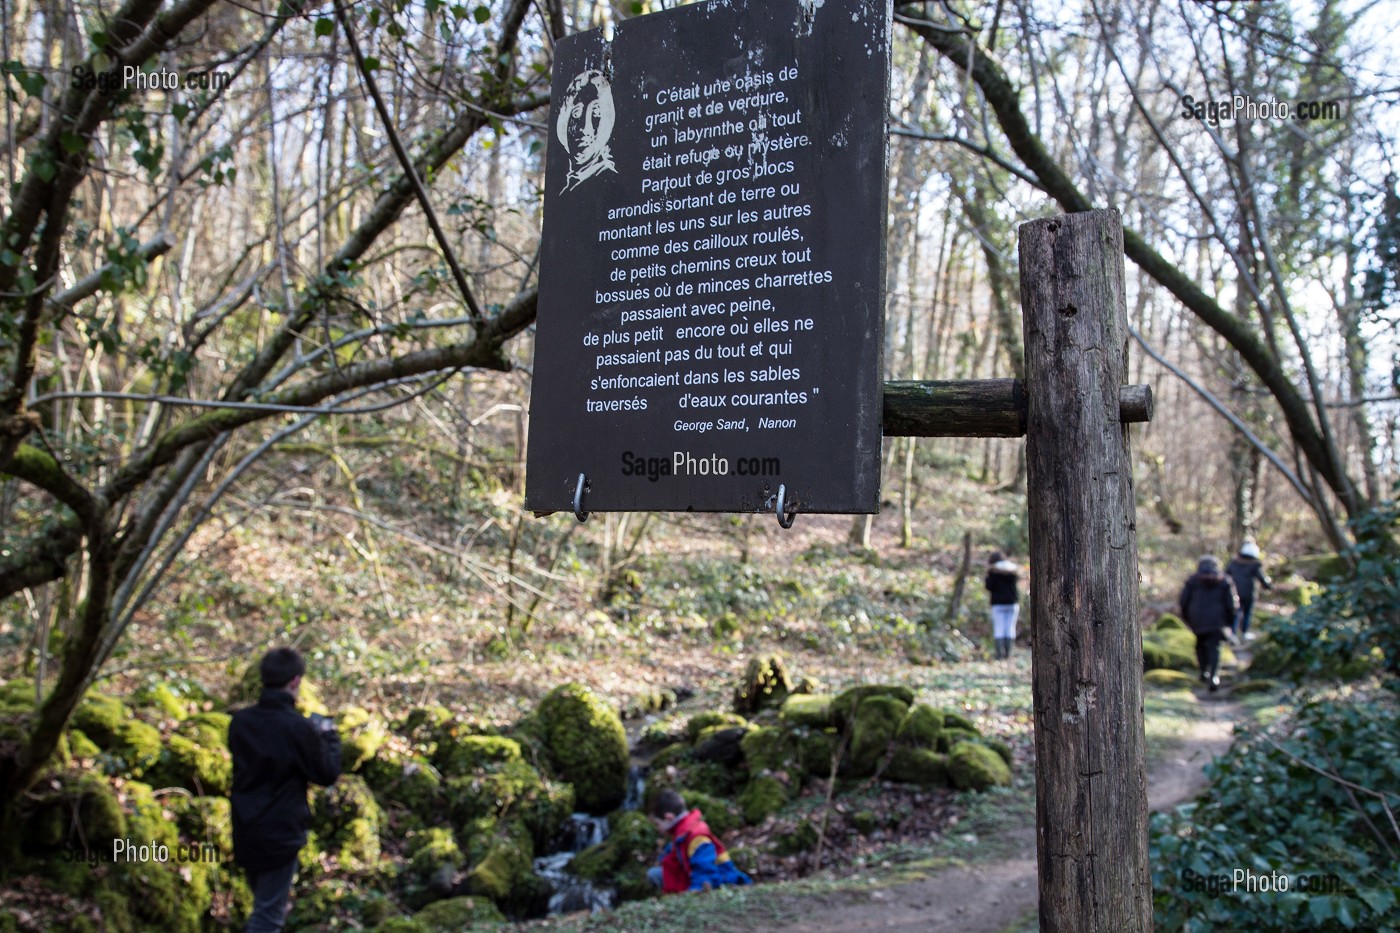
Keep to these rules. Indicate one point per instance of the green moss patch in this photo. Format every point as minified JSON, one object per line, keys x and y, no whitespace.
{"x":972,"y":766}
{"x":586,"y":745}
{"x":814,"y":711}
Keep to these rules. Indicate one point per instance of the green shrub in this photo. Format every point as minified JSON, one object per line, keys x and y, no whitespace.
{"x":1267,"y":811}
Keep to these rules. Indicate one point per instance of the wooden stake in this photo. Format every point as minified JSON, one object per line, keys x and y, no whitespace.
{"x":1091,"y":782}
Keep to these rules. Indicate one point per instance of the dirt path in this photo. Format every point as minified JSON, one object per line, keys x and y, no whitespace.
{"x":993,"y":897}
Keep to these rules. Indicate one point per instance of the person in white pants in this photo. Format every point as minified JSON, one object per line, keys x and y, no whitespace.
{"x":1002,"y":577}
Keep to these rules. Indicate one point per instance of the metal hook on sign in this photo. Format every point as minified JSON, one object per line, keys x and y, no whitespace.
{"x":579,"y":490}
{"x":785,"y":517}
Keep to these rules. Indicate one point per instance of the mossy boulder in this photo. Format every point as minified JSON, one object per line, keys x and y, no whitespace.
{"x":877,"y":721}
{"x":406,"y":784}
{"x":624,"y":857}
{"x":843,"y":708}
{"x":586,"y":745}
{"x":196,"y":756}
{"x":708,"y":777}
{"x":423,"y":724}
{"x":135,"y":746}
{"x":83,"y":810}
{"x":1171,"y":649}
{"x":951,"y":737}
{"x":771,"y":749}
{"x":921,"y":727}
{"x":721,"y":815}
{"x":454,"y":915}
{"x":766,"y":683}
{"x":161,"y":700}
{"x":815,"y":749}
{"x":1168,"y":622}
{"x":676,"y":754}
{"x":814,"y":710}
{"x":80,"y":746}
{"x":347,"y":820}
{"x":918,"y":766}
{"x":465,"y":754}
{"x":361,"y":737}
{"x":100,"y":717}
{"x":503,"y":867}
{"x":701,"y":722}
{"x":761,"y":798}
{"x":1167,"y":678}
{"x":973,"y":766}
{"x":511,"y":789}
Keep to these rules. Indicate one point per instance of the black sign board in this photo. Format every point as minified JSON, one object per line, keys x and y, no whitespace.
{"x":712,"y":267}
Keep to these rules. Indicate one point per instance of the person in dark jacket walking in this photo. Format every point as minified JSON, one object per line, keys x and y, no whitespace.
{"x":1208,"y":609}
{"x":1244,"y":569}
{"x":276,"y":751}
{"x":1001,"y":589}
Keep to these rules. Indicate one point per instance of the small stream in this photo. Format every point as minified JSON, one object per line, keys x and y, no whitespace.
{"x":569,"y":893}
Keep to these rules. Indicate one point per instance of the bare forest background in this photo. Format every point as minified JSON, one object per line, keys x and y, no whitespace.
{"x":235,"y":360}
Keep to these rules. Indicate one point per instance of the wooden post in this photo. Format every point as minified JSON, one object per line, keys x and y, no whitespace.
{"x":1091,"y":781}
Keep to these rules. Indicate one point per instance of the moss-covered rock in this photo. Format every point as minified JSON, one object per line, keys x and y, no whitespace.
{"x":865,"y":822}
{"x":815,"y":749}
{"x":877,"y":721}
{"x":1168,"y":622}
{"x":1167,"y":678}
{"x":162,"y":701}
{"x":189,"y":764}
{"x":843,"y":708}
{"x":465,"y":754}
{"x":80,"y":746}
{"x":624,"y":857}
{"x":83,"y":810}
{"x":814,"y":710}
{"x":347,"y":820}
{"x":676,"y":754}
{"x":951,"y":737}
{"x":918,"y":766}
{"x":408,"y":784}
{"x":99,"y":717}
{"x":772,"y":750}
{"x":766,"y":683}
{"x":456,"y":914}
{"x":408,"y":925}
{"x":361,"y":737}
{"x":206,"y":820}
{"x":921,"y":728}
{"x":721,"y":815}
{"x":512,"y":789}
{"x":761,"y":798}
{"x":423,"y":724}
{"x":503,"y":868}
{"x":1171,"y":648}
{"x":708,"y":777}
{"x":586,"y":745}
{"x":1247,"y":687}
{"x":134,"y":748}
{"x":701,"y":722}
{"x":973,"y":766}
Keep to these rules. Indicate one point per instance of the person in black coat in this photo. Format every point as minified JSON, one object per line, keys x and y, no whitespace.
{"x":1002,"y":575}
{"x":1245,"y":569}
{"x":276,"y":752}
{"x":1208,"y":609}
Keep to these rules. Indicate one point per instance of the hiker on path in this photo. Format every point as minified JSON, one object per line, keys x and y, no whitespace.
{"x":694,"y":859}
{"x":1208,"y":609}
{"x":1244,"y":569}
{"x":276,"y":752}
{"x":1002,"y":576}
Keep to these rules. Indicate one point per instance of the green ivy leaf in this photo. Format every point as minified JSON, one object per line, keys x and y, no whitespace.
{"x":45,"y":169}
{"x":481,"y":14}
{"x":71,"y":142}
{"x":325,"y":26}
{"x":371,"y":63}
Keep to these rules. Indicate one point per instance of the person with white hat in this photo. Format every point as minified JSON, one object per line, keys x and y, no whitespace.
{"x":1244,"y":569}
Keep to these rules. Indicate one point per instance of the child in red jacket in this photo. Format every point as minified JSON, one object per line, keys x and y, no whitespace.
{"x":694,"y":859}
